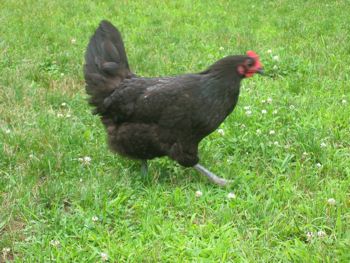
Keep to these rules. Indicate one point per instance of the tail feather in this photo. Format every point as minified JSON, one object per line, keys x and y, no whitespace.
{"x":106,"y":64}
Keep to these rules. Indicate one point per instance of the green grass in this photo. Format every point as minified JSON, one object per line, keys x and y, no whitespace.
{"x":49,"y":197}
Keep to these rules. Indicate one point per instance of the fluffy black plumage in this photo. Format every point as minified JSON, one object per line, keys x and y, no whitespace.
{"x":153,"y":117}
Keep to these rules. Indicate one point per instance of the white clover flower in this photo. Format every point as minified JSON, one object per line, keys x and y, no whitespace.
{"x":305,"y":154}
{"x":344,"y":101}
{"x":198,"y":193}
{"x":104,"y":256}
{"x":269,"y":51}
{"x":264,"y":111}
{"x":323,"y":145}
{"x":275,"y":67}
{"x":246,"y":107}
{"x":221,"y":48}
{"x":292,"y":107}
{"x":258,"y":131}
{"x":221,"y":132}
{"x":94,"y":218}
{"x":263,"y":101}
{"x":318,"y":165}
{"x":59,"y":115}
{"x":110,"y":191}
{"x":68,"y":115}
{"x":85,"y":160}
{"x":81,"y":180}
{"x":321,"y":234}
{"x":243,"y":126}
{"x":276,"y":58}
{"x":272,"y":132}
{"x":275,"y":112}
{"x":231,"y":195}
{"x":269,"y":100}
{"x":276,"y":143}
{"x":7,"y":131}
{"x":6,"y":250}
{"x":73,"y":41}
{"x":248,"y":112}
{"x":309,"y":236}
{"x":63,"y":104}
{"x":55,"y":243}
{"x":331,"y":201}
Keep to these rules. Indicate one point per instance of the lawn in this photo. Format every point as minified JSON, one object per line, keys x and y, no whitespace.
{"x":65,"y":198}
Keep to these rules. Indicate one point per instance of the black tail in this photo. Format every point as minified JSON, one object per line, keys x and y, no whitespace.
{"x":106,"y":64}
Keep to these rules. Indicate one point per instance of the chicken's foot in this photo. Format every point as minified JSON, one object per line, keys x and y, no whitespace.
{"x":212,"y":177}
{"x":144,"y":167}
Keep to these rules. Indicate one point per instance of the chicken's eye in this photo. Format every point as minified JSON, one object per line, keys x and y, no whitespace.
{"x":250,"y":63}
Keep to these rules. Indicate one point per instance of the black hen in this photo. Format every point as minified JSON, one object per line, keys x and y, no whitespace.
{"x":169,"y":116}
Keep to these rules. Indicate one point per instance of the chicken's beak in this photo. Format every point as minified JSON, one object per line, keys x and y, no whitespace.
{"x":260,"y":71}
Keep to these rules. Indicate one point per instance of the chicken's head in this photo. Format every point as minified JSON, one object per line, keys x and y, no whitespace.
{"x":250,"y":65}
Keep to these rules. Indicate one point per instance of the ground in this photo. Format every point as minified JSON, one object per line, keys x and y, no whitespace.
{"x":64,"y":197}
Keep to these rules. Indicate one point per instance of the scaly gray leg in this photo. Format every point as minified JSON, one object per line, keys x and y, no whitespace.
{"x":212,"y":177}
{"x":144,"y":167}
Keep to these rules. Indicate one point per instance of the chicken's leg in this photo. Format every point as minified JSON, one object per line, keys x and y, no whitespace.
{"x":144,"y":167}
{"x":212,"y":177}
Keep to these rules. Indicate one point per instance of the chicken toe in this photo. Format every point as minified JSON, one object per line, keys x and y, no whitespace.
{"x":212,"y":177}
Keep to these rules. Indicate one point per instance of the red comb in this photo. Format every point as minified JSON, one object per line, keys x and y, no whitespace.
{"x":252,"y":54}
